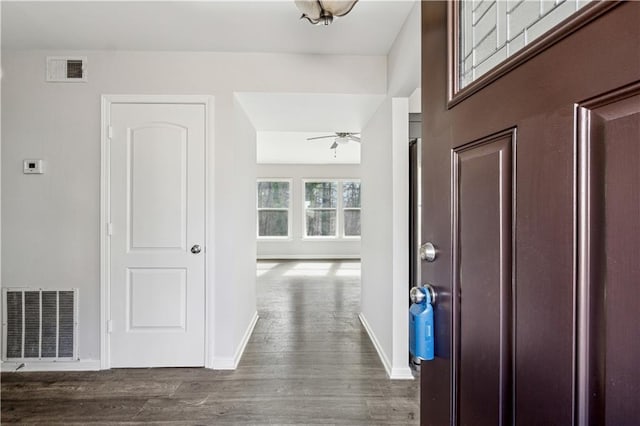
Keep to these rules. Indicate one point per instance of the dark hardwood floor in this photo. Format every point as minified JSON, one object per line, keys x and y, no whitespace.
{"x":309,"y":361}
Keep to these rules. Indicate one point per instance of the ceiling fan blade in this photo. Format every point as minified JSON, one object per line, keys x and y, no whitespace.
{"x":334,"y":146}
{"x":355,"y":138}
{"x":321,"y":137}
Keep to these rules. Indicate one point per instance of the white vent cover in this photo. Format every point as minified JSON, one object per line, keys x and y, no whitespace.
{"x":39,"y":324}
{"x":67,"y":68}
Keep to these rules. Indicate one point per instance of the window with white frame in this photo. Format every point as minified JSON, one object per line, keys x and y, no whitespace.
{"x":274,"y":205}
{"x":351,"y":208}
{"x":321,"y":209}
{"x":331,"y":209}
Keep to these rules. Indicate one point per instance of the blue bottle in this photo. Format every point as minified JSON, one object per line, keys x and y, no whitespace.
{"x":421,"y":327}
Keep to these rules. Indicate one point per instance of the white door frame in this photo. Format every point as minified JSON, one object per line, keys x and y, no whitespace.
{"x":105,"y":207}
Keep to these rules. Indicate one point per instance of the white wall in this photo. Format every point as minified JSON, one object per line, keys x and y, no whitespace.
{"x":404,"y":60}
{"x":50,"y":222}
{"x":297,"y":247}
{"x":385,"y":229}
{"x":385,"y":200}
{"x":376,"y":252}
{"x":243,"y":238}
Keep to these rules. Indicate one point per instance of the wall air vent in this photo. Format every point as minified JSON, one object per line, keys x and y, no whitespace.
{"x":67,"y":69}
{"x":39,"y":324}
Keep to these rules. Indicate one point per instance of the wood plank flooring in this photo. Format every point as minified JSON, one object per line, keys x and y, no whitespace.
{"x":309,"y":361}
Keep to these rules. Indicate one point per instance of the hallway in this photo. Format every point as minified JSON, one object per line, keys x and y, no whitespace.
{"x":309,"y":361}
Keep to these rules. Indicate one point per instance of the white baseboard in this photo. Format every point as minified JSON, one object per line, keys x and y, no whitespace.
{"x":394,"y":373}
{"x":82,"y":365}
{"x":307,"y":256}
{"x":376,"y":344}
{"x":227,"y":363}
{"x":401,"y":373}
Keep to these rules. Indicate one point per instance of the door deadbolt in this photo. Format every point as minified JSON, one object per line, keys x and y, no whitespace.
{"x":428,"y":252}
{"x":195,"y":249}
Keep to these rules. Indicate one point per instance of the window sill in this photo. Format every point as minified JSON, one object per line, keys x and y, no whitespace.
{"x":333,"y":239}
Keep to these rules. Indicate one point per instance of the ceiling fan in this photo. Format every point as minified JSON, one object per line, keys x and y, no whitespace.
{"x":340,"y":138}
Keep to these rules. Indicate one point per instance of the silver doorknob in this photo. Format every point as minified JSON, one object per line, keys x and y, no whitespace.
{"x":195,"y":249}
{"x":428,"y":252}
{"x":417,"y":296}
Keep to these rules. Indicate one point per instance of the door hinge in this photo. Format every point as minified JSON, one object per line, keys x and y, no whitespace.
{"x":110,"y":132}
{"x":109,"y":228}
{"x":109,"y":326}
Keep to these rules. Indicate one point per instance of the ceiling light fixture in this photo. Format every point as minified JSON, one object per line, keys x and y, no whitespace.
{"x":340,"y":138}
{"x":323,"y":11}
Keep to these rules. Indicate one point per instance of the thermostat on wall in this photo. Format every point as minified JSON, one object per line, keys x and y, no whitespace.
{"x":33,"y":167}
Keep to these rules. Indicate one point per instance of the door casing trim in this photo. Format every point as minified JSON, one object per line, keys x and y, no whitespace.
{"x":105,"y":204}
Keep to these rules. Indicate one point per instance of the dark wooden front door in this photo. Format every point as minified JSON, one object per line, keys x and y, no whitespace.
{"x":531,"y":193}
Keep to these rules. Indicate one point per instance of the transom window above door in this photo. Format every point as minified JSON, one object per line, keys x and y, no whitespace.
{"x":490,"y":31}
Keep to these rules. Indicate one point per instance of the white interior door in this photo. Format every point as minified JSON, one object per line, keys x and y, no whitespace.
{"x":157,"y":200}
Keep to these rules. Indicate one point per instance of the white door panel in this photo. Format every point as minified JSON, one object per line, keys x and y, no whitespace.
{"x":157,"y":214}
{"x":157,"y":184}
{"x":156,"y":299}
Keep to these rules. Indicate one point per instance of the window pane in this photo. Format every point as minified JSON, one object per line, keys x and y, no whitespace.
{"x":273,"y":195}
{"x":273,"y":223}
{"x":352,"y":223}
{"x":493,"y":30}
{"x":321,"y":223}
{"x":321,"y":194}
{"x":351,"y":194}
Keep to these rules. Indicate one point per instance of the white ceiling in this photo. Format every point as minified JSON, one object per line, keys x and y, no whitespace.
{"x":285,"y":120}
{"x":225,"y":26}
{"x":309,"y":112}
{"x":294,"y":148}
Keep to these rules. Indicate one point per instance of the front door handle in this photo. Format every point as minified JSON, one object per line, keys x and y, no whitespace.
{"x":417,"y":296}
{"x":195,"y":249}
{"x":428,"y":252}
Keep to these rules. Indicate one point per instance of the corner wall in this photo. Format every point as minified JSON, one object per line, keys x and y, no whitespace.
{"x":385,"y":234}
{"x":377,"y":232}
{"x":385,"y":205}
{"x":243,"y":307}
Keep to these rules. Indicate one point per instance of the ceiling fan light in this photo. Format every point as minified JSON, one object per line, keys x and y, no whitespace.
{"x":342,"y":140}
{"x":311,"y":10}
{"x":337,"y":7}
{"x":323,"y":11}
{"x":326,"y":18}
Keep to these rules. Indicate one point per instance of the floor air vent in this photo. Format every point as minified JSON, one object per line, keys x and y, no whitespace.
{"x":39,"y":324}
